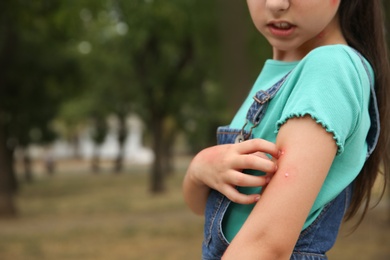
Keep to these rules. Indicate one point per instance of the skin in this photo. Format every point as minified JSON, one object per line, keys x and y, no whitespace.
{"x":219,"y":167}
{"x":307,"y":150}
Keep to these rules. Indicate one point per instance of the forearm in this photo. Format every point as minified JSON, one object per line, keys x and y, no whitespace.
{"x":195,"y":193}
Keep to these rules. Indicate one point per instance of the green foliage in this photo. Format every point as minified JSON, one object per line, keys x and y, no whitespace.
{"x":173,"y":46}
{"x":155,"y":58}
{"x":37,"y":68}
{"x":79,"y":60}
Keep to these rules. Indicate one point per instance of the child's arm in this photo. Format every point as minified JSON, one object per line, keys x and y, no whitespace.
{"x":219,"y":167}
{"x":273,"y":227}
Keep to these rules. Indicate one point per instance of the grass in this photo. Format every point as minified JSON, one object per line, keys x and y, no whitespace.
{"x":76,"y":215}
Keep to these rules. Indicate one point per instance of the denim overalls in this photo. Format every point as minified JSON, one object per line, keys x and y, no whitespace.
{"x":317,"y":238}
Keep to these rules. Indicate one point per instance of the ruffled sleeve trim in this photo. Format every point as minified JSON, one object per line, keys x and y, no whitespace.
{"x":336,"y":137}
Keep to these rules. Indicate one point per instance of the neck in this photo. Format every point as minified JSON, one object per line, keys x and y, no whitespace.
{"x":331,"y":35}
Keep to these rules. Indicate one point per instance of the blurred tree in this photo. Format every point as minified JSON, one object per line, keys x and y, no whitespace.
{"x":112,"y":87}
{"x":169,"y":46}
{"x":243,"y":51}
{"x":234,"y":30}
{"x":154,"y":58}
{"x":99,"y":132}
{"x":37,"y":71}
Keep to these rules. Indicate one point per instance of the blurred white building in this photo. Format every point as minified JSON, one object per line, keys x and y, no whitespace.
{"x":135,"y":151}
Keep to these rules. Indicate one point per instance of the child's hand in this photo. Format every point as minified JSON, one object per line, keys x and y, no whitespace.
{"x":220,"y":168}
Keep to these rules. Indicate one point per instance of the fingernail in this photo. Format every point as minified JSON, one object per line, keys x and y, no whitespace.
{"x":257,"y":198}
{"x":267,"y":180}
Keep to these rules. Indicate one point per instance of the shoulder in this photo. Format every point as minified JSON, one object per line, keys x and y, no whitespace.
{"x":334,"y":66}
{"x":337,"y":60}
{"x":338,"y":52}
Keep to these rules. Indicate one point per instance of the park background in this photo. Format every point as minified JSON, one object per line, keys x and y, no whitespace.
{"x":102,"y":105}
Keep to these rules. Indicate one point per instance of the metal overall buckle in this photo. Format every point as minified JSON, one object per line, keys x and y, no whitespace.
{"x":241,"y":136}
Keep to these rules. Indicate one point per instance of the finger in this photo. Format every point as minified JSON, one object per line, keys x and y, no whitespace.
{"x":268,"y":175}
{"x":258,"y":145}
{"x":235,"y":196}
{"x":253,"y":162}
{"x":247,"y":180}
{"x":261,"y":155}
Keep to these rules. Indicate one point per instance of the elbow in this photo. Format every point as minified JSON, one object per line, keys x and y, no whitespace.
{"x":196,"y":205}
{"x":195,"y":196}
{"x":278,"y":249}
{"x":261,"y":249}
{"x":275,"y":247}
{"x":199,"y":212}
{"x":196,"y":210}
{"x":279,"y":253}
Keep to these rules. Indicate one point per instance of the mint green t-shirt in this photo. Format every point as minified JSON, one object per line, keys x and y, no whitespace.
{"x":332,"y":86}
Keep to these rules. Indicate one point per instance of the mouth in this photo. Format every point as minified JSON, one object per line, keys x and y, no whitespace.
{"x":281,"y":25}
{"x":281,"y":28}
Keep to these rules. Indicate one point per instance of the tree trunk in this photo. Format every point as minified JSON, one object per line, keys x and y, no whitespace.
{"x":95,"y":161}
{"x":49,"y":162}
{"x":8,"y":184}
{"x":28,"y":175}
{"x":235,"y":64}
{"x":75,"y":144}
{"x":158,"y":174}
{"x":168,"y":145}
{"x":122,"y":133}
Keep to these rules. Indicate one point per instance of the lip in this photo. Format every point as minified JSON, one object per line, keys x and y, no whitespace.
{"x":276,"y":28}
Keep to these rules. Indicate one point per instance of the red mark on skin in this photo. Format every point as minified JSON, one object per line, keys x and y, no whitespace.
{"x":321,"y":35}
{"x":334,"y":2}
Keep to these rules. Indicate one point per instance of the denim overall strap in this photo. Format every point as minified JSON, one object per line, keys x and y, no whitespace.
{"x":374,"y":131}
{"x":257,"y":110}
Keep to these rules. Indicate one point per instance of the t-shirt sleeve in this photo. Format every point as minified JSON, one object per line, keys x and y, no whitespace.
{"x":327,"y":87}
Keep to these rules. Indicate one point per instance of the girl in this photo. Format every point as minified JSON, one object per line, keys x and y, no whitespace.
{"x":320,"y":100}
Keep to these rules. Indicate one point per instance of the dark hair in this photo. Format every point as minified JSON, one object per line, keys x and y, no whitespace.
{"x":362,"y":23}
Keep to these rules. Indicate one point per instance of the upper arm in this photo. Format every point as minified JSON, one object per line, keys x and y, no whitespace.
{"x":277,"y":219}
